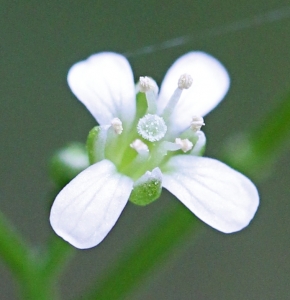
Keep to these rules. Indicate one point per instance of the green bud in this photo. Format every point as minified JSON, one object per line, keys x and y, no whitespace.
{"x":147,"y":188}
{"x":68,"y":162}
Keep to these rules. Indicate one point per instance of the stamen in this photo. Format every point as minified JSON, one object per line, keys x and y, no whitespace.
{"x":133,"y":168}
{"x":139,"y":146}
{"x":160,"y":152}
{"x":152,"y":127}
{"x":196,"y":123}
{"x":150,"y":88}
{"x":185,"y":81}
{"x":147,"y":84}
{"x":185,"y":145}
{"x":117,"y":125}
{"x":199,"y":146}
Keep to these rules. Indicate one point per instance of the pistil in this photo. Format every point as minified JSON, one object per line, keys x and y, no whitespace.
{"x":152,"y":127}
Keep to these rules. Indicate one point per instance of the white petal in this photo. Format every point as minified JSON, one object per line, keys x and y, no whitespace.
{"x":104,"y":84}
{"x":88,"y":207}
{"x":218,"y":195}
{"x":210,"y":84}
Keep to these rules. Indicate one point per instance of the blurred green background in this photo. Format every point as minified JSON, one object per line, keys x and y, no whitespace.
{"x":39,"y":43}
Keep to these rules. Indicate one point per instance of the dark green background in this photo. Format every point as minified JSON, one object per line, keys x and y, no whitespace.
{"x":39,"y":42}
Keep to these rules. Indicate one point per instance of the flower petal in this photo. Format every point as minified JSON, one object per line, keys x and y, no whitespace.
{"x":104,"y":84}
{"x":210,"y":84}
{"x":88,"y":207}
{"x":218,"y":195}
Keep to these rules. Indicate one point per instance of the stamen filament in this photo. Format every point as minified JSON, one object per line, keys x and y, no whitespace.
{"x":114,"y":146}
{"x":148,"y":86}
{"x":190,"y":135}
{"x":171,"y":104}
{"x":151,"y":102}
{"x":184,"y":82}
{"x":160,"y":152}
{"x":133,"y":169}
{"x":199,"y":146}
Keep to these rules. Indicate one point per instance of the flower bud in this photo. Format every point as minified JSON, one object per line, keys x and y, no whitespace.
{"x":68,"y":162}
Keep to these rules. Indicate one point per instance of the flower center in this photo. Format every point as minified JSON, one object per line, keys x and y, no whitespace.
{"x":152,"y":127}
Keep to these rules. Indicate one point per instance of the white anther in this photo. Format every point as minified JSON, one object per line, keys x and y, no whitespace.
{"x":196,"y":123}
{"x":117,"y":125}
{"x":138,"y":145}
{"x":152,"y":127}
{"x":185,"y":144}
{"x":147,"y":84}
{"x":185,"y":81}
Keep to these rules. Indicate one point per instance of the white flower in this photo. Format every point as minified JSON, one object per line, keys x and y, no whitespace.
{"x":137,"y":155}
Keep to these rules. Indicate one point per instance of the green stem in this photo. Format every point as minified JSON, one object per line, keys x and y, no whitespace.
{"x":13,"y":249}
{"x":34,"y":287}
{"x":37,"y":272}
{"x":23,"y":262}
{"x":40,"y":280}
{"x":145,"y":254}
{"x":57,"y":255}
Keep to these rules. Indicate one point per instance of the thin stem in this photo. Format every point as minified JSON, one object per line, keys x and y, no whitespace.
{"x":36,"y":271}
{"x":13,"y":249}
{"x":57,"y":255}
{"x":145,"y":254}
{"x":25,"y":263}
{"x":35,"y":287}
{"x":41,"y":278}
